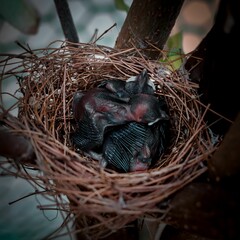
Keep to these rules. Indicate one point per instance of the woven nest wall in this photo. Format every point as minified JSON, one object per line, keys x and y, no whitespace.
{"x":103,"y":200}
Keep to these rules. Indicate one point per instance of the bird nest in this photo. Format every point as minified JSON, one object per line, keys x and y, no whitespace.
{"x":102,"y":200}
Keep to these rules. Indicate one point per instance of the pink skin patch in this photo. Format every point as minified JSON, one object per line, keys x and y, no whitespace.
{"x":139,"y":166}
{"x":142,"y":160}
{"x":140,"y":111}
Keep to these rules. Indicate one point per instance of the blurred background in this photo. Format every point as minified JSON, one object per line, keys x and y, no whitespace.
{"x":23,"y":220}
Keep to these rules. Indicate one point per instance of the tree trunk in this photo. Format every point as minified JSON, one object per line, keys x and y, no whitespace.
{"x":211,"y":208}
{"x":214,"y":67}
{"x":148,"y":25}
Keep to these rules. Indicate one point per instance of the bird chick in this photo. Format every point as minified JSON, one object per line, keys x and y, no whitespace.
{"x":121,"y":123}
{"x":134,"y":85}
{"x":117,"y":87}
{"x":121,"y":147}
{"x":140,"y":84}
{"x":133,"y":147}
{"x":98,"y":111}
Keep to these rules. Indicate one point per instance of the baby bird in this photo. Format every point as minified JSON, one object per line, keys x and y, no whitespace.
{"x":135,"y":146}
{"x":98,"y":111}
{"x":121,"y":147}
{"x":121,"y":123}
{"x":134,"y":85}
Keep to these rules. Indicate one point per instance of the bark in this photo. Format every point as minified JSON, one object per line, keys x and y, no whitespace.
{"x":206,"y":210}
{"x":15,"y":146}
{"x":171,"y":233}
{"x":214,"y":67}
{"x":225,"y":162}
{"x":148,"y":26}
{"x":211,"y":209}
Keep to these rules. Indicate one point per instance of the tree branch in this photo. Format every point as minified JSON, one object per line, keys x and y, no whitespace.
{"x":212,"y":65}
{"x":226,"y":160}
{"x":66,"y":20}
{"x":148,"y":25}
{"x":15,"y":146}
{"x":207,"y":210}
{"x":212,"y":209}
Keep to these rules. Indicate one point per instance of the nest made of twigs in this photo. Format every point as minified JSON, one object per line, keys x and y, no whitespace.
{"x":103,"y":200}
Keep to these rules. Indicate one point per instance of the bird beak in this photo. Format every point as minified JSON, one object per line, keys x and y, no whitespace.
{"x":164,"y":117}
{"x":143,"y":78}
{"x":144,"y":73}
{"x":151,"y":123}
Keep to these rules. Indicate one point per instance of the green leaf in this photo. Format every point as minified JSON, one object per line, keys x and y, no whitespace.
{"x":121,"y":5}
{"x":175,"y":60}
{"x":174,"y":56}
{"x":21,"y":15}
{"x":175,"y":41}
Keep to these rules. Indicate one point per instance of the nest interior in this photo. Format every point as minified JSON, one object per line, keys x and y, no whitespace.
{"x":103,"y":201}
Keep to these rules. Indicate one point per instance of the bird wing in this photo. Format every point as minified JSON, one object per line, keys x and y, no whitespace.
{"x":88,"y":134}
{"x":120,"y":145}
{"x":95,"y":112}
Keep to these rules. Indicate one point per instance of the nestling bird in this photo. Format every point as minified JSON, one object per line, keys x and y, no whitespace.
{"x":121,"y":123}
{"x":134,"y":147}
{"x":117,"y":87}
{"x":98,"y":111}
{"x":140,"y":84}
{"x":122,"y":147}
{"x":134,"y":85}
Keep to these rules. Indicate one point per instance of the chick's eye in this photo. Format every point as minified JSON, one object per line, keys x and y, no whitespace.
{"x":151,"y":115}
{"x":146,"y":160}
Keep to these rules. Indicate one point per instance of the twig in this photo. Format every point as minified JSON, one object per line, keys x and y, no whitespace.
{"x":66,"y":20}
